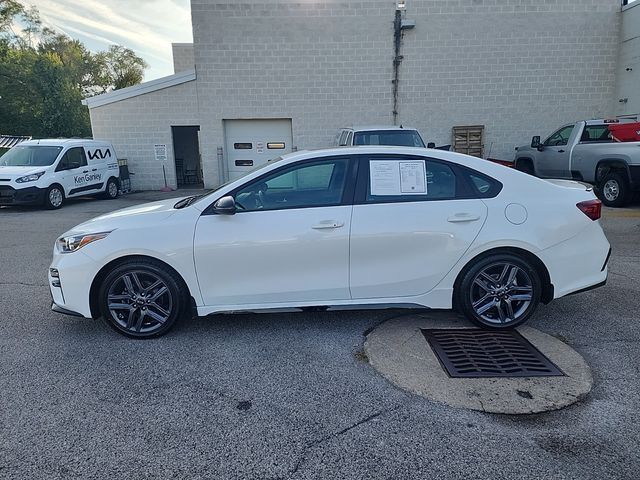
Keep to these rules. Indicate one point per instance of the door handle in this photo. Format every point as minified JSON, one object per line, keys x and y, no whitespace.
{"x":85,"y":171}
{"x":328,"y":225}
{"x":94,"y":169}
{"x":561,"y":151}
{"x":463,"y":217}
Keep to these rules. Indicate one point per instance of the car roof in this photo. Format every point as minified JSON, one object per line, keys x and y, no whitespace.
{"x":459,"y":158}
{"x":371,"y":128}
{"x":63,"y":142}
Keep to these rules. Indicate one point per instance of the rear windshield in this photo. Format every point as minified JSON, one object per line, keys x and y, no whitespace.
{"x":401,"y":138}
{"x":30,"y":156}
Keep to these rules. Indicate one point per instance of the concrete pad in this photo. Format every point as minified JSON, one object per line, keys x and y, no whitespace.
{"x":399,"y":351}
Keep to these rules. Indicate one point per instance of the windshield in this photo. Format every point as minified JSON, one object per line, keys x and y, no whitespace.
{"x":30,"y":156}
{"x":400,"y":138}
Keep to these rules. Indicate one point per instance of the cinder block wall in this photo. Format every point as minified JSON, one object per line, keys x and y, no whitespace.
{"x":183,"y":57}
{"x":628,"y":73}
{"x":136,"y":124}
{"x":520,"y":67}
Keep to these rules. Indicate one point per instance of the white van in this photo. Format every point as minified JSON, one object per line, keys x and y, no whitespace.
{"x":49,"y":171}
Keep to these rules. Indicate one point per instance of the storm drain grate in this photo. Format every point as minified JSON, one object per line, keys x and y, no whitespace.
{"x":480,"y":353}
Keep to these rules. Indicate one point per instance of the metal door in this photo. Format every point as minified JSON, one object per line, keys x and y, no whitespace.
{"x":249,"y":143}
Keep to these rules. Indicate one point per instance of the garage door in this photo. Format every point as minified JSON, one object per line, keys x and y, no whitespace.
{"x":250,"y":143}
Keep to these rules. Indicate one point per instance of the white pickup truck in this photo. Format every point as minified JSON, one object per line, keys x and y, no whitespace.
{"x":604,"y":153}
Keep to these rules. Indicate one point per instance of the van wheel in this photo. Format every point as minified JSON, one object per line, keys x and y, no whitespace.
{"x":111,"y":190}
{"x":54,"y":198}
{"x":614,"y":190}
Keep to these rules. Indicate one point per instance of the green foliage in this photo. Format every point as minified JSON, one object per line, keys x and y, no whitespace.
{"x":45,"y":75}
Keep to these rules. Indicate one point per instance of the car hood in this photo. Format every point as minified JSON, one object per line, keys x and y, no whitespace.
{"x":138,"y":216}
{"x":19,"y":171}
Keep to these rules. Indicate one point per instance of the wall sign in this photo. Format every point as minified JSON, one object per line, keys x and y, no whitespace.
{"x":260,"y":147}
{"x":160,"y":151}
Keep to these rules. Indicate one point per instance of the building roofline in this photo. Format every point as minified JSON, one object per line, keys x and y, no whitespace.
{"x":142,"y":89}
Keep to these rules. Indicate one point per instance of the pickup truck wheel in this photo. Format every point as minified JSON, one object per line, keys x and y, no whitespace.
{"x":525,"y":166}
{"x":614,"y":190}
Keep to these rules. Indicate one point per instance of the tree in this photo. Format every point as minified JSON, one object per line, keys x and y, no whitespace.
{"x":44,"y":75}
{"x":122,"y":67}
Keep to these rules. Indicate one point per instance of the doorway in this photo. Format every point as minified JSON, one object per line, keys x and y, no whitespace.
{"x":186,"y":151}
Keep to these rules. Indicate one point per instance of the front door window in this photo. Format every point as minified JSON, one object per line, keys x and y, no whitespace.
{"x":314,"y":184}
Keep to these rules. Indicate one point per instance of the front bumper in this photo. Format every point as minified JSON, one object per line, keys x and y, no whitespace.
{"x":21,"y":196}
{"x":71,"y":288}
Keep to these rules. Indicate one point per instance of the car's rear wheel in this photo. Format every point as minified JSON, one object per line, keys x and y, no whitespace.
{"x":499,"y":291}
{"x":141,"y":299}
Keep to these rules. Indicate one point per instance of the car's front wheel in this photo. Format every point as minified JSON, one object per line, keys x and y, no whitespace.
{"x":141,"y":299}
{"x":499,"y":291}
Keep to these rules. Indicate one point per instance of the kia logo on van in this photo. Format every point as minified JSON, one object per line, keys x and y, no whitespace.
{"x":99,"y":154}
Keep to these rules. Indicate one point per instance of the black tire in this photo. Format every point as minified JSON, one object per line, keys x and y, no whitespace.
{"x":525,"y":166}
{"x":471,"y":297}
{"x":111,"y":190}
{"x":133,"y":315}
{"x":54,"y":197}
{"x":614,"y":190}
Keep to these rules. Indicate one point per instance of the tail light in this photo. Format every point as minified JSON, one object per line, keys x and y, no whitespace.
{"x":591,"y":208}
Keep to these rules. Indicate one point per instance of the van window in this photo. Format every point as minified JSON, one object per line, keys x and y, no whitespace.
{"x":30,"y":156}
{"x":73,"y":158}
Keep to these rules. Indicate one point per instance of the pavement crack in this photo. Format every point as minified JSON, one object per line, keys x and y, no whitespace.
{"x":24,"y":284}
{"x":303,"y":456}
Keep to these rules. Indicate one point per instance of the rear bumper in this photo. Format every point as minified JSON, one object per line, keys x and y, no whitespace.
{"x":580,"y":263}
{"x":21,"y":196}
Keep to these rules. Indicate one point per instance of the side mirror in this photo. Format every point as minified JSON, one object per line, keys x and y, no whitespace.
{"x":225,"y":206}
{"x":535,"y":142}
{"x":431,"y":145}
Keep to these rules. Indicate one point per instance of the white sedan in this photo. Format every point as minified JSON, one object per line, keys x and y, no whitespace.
{"x":374,"y":226}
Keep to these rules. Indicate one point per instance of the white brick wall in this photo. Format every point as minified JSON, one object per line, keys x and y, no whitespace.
{"x":136,"y":124}
{"x":183,"y":57}
{"x":519,"y":67}
{"x":628,"y":73}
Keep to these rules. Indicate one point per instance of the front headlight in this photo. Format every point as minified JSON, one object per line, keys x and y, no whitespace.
{"x":29,"y":178}
{"x":76,"y":242}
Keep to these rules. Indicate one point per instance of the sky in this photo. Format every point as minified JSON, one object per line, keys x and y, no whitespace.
{"x":148,"y":27}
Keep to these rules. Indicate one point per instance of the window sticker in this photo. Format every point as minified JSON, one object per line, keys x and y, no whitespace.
{"x":397,"y":178}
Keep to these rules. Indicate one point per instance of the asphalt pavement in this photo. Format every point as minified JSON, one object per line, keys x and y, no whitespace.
{"x":287,"y":396}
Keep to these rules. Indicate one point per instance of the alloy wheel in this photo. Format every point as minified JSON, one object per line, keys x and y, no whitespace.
{"x":611,"y":190}
{"x":140,"y":302}
{"x":501,"y":293}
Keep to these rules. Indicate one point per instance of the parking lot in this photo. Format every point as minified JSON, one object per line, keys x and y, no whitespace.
{"x":287,"y":395}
